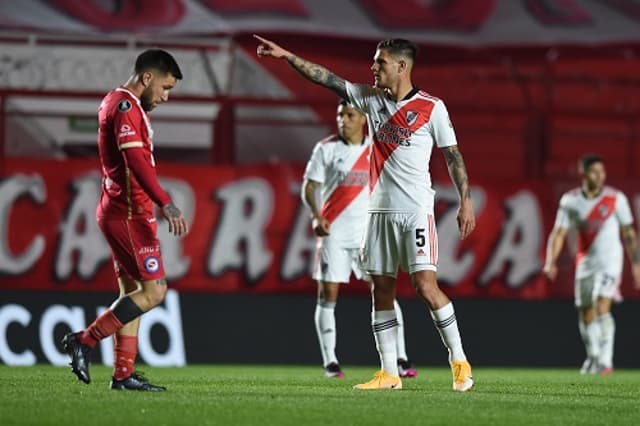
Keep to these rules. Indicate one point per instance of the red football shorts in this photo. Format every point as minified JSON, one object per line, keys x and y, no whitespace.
{"x":135,"y":248}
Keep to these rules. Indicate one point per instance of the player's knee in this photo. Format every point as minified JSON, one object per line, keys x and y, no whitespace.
{"x":155,"y":294}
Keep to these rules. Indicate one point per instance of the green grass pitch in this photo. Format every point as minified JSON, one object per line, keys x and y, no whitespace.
{"x":294,"y":395}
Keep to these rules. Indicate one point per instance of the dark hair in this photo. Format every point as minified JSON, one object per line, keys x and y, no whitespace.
{"x":399,"y":47}
{"x":157,"y":59}
{"x":588,"y":160}
{"x":346,"y":103}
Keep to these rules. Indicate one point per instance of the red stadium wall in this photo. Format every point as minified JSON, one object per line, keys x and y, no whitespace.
{"x":250,"y":233}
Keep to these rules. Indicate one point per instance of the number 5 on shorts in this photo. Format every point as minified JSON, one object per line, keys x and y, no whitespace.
{"x":421,"y":239}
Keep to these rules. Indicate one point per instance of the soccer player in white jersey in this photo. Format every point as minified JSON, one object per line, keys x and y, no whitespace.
{"x":599,"y":214}
{"x":405,"y":123}
{"x":339,"y":170}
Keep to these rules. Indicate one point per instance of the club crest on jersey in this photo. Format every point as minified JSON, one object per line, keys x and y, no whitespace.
{"x":603,"y":210}
{"x":124,"y":105}
{"x":412,"y":116}
{"x":151,"y":264}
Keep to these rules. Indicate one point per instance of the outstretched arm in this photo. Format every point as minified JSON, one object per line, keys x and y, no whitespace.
{"x":458,"y":173}
{"x":630,"y":239}
{"x":316,"y":73}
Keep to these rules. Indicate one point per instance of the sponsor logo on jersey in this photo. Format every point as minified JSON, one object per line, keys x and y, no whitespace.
{"x":126,"y":130}
{"x":151,"y":264}
{"x":148,"y":249}
{"x":124,"y":105}
{"x":354,"y":178}
{"x":393,"y":134}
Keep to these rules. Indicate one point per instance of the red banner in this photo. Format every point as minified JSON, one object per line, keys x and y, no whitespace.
{"x":250,"y":233}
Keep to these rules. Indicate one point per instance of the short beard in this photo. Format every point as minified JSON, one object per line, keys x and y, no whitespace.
{"x":144,"y":102}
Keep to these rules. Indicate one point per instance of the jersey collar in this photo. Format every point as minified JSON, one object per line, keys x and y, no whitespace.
{"x":347,"y":143}
{"x":408,"y":96}
{"x":124,"y":89}
{"x":584,"y":194}
{"x":411,"y":94}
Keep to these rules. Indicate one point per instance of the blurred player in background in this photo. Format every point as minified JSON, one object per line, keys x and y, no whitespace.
{"x":405,"y":124}
{"x":599,"y":213}
{"x":126,"y":217}
{"x":339,"y":169}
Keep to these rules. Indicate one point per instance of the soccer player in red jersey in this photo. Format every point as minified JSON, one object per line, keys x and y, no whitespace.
{"x":125,"y":214}
{"x":405,"y":123}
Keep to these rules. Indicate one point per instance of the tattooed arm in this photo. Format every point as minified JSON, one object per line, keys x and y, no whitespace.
{"x":630,"y":239}
{"x":458,"y":172}
{"x":313,"y":72}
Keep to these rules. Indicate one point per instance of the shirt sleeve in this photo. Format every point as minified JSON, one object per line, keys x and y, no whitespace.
{"x":127,"y":122}
{"x":141,"y":167}
{"x":623,"y":210}
{"x":315,"y":169}
{"x":441,"y":126}
{"x":360,"y":95}
{"x":563,"y":219}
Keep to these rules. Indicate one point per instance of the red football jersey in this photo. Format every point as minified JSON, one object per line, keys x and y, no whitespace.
{"x":123,"y":124}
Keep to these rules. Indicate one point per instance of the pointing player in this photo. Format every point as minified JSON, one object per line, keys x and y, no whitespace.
{"x":125,"y":215}
{"x":599,"y":213}
{"x":405,"y":123}
{"x":339,"y":169}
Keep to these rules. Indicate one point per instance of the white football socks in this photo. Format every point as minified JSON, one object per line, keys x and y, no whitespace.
{"x":607,"y":337}
{"x":400,"y":345}
{"x":445,"y":321}
{"x":385,"y":331}
{"x":325,"y":321}
{"x":591,"y":339}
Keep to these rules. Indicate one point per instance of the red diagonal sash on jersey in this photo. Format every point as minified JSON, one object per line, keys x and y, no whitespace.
{"x":593,"y":223}
{"x":343,"y":195}
{"x":382,"y":151}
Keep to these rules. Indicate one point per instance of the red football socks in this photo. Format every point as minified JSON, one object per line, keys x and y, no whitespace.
{"x":125,"y":351}
{"x":104,"y":326}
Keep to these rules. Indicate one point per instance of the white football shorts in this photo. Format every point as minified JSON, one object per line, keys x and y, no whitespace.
{"x":408,"y":240}
{"x":589,"y":288}
{"x":334,"y":262}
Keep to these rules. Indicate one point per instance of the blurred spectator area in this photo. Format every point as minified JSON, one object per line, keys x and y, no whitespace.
{"x":524,"y":112}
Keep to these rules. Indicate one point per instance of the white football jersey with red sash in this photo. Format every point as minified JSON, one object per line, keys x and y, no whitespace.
{"x":403,"y":133}
{"x":597,"y":221}
{"x":343,"y":171}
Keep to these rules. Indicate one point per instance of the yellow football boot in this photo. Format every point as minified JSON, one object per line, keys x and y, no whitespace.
{"x":462,"y":379}
{"x":381,"y":380}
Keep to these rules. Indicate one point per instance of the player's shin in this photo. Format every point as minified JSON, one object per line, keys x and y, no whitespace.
{"x":607,"y":333}
{"x":385,"y":331}
{"x":325,"y":322}
{"x":125,"y":350}
{"x":111,"y":320}
{"x":445,"y":321}
{"x":400,"y":346}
